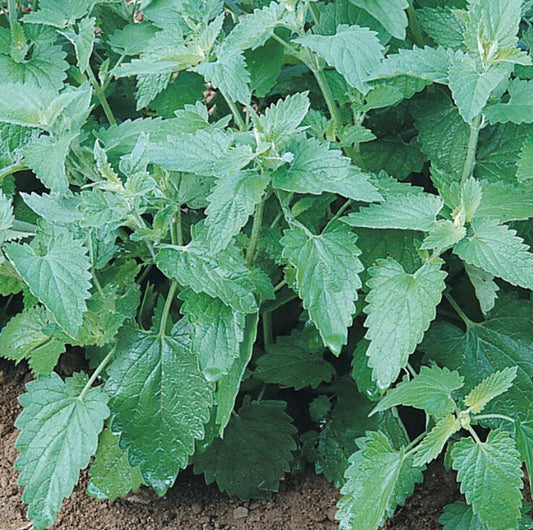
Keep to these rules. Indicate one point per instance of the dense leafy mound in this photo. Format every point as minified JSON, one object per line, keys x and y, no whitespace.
{"x":266,"y":225}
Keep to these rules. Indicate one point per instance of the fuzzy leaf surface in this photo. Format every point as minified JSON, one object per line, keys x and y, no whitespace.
{"x":259,"y":437}
{"x":159,"y":434}
{"x":400,"y":309}
{"x":327,"y":266}
{"x":59,"y":434}
{"x":491,"y":477}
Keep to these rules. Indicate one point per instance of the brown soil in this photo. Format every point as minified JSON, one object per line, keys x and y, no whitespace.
{"x":304,"y":502}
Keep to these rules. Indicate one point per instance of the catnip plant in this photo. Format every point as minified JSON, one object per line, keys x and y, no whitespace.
{"x":233,"y":210}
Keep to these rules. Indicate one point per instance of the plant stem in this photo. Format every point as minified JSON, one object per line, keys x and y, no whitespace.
{"x":100,"y":94}
{"x":328,"y":95}
{"x":280,"y":285}
{"x":268,"y":337}
{"x":340,"y":211}
{"x":474,"y":435}
{"x":315,"y":13}
{"x":179,"y":231}
{"x":458,"y":310}
{"x":470,"y":160}
{"x":93,"y":270}
{"x":235,"y":111}
{"x":15,"y":168}
{"x":411,"y":447}
{"x":254,"y":238}
{"x":166,"y":309}
{"x":413,"y":22}
{"x":12,"y":8}
{"x":493,"y":416}
{"x":97,"y":372}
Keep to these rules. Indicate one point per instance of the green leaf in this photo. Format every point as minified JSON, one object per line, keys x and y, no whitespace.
{"x":405,"y":212}
{"x":217,"y":331}
{"x":400,"y":309}
{"x":378,"y":479}
{"x":230,"y":75}
{"x":316,"y":168}
{"x":353,"y":51}
{"x":494,"y":385}
{"x":111,"y":475}
{"x":505,"y":202}
{"x":223,"y":275}
{"x":390,"y":13}
{"x":484,"y":285}
{"x":443,"y":235}
{"x":327,"y":280}
{"x":281,"y":121}
{"x":443,"y":26}
{"x":431,"y":390}
{"x":24,"y":337}
{"x":59,"y":13}
{"x":433,"y":443}
{"x":46,"y":157}
{"x":255,"y":29}
{"x":58,"y":277}
{"x":519,"y":108}
{"x":159,"y":434}
{"x":428,"y":64}
{"x":525,"y":162}
{"x":471,"y":88}
{"x":460,"y":516}
{"x":259,"y":437}
{"x":504,"y":340}
{"x":442,"y":133}
{"x":524,"y":443}
{"x":59,"y":434}
{"x":225,"y":218}
{"x":83,"y":40}
{"x":491,"y":477}
{"x":229,"y":385}
{"x":295,"y":360}
{"x":497,"y":249}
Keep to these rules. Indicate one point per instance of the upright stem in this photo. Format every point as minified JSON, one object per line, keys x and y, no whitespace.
{"x":12,"y":7}
{"x":97,"y":372}
{"x":235,"y":111}
{"x":413,"y":22}
{"x":268,"y":336}
{"x":470,"y":160}
{"x":458,"y":310}
{"x":254,"y":238}
{"x":168,"y":304}
{"x":100,"y":94}
{"x":328,"y":96}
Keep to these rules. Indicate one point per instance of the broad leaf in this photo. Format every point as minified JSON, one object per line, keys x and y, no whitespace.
{"x":225,"y":218}
{"x":259,"y":437}
{"x":58,"y":277}
{"x":111,"y":474}
{"x":316,"y":168}
{"x":24,"y":337}
{"x":390,"y":13}
{"x":503,"y":340}
{"x":519,"y":108}
{"x":400,"y":309}
{"x":524,"y":443}
{"x":217,"y":331}
{"x":484,"y":285}
{"x":378,"y":479}
{"x":327,"y":280}
{"x":295,"y":360}
{"x":222,"y":275}
{"x":460,"y":516}
{"x":411,"y":212}
{"x":59,"y":434}
{"x":433,"y":443}
{"x":491,"y":387}
{"x":158,"y":434}
{"x":497,"y":249}
{"x":353,"y":51}
{"x":491,"y":477}
{"x":431,"y":390}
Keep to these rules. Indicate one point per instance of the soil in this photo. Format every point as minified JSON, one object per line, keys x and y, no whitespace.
{"x":306,"y":501}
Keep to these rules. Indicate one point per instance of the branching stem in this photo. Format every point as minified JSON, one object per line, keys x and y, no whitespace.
{"x":9,"y":170}
{"x":97,"y":372}
{"x":100,"y":94}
